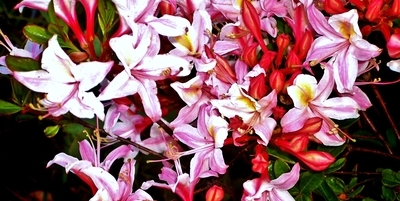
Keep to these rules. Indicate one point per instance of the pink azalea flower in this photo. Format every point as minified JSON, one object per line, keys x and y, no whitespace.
{"x":95,"y":173}
{"x":311,"y":100}
{"x":181,"y":184}
{"x":340,"y":39}
{"x":190,"y":45}
{"x":120,"y":120}
{"x":65,"y":83}
{"x":143,"y":66}
{"x":274,"y":190}
{"x":206,"y":142}
{"x":254,"y":114}
{"x":269,"y":9}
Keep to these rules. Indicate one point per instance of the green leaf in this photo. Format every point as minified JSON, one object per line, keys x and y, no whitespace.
{"x":334,"y":151}
{"x":335,"y":166}
{"x":8,"y":108}
{"x":280,"y":167}
{"x":75,"y":133}
{"x":326,"y":191}
{"x":16,"y":63}
{"x":388,"y":194}
{"x":277,"y":153}
{"x":309,"y":181}
{"x":352,"y":183}
{"x":389,"y":178}
{"x":355,"y":192}
{"x":336,"y":184}
{"x":303,"y":197}
{"x":20,"y":93}
{"x":391,"y":138}
{"x":37,"y":34}
{"x":51,"y":131}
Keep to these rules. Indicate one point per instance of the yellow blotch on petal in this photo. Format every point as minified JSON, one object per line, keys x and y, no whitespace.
{"x":346,"y":29}
{"x":305,"y":93}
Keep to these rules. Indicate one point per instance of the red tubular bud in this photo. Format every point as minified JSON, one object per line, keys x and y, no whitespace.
{"x":277,"y":80}
{"x":335,"y":6}
{"x":360,"y":4}
{"x":251,"y":20}
{"x":394,"y":10}
{"x":374,"y":10}
{"x":393,"y":46}
{"x":167,"y":8}
{"x":266,"y":60}
{"x":316,"y":160}
{"x":282,"y":40}
{"x":215,"y":193}
{"x":257,"y":88}
{"x":249,"y":55}
{"x":303,"y":45}
{"x":224,"y":70}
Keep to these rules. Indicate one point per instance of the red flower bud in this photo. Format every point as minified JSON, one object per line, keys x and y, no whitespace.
{"x":167,"y":8}
{"x":277,"y":80}
{"x":249,"y":55}
{"x":335,"y":6}
{"x":360,"y":4}
{"x":394,"y":10}
{"x":266,"y":60}
{"x":393,"y":45}
{"x":215,"y":193}
{"x":224,"y":70}
{"x":303,"y":45}
{"x":312,"y":126}
{"x":257,"y":88}
{"x":374,"y":10}
{"x":316,"y":160}
{"x":282,"y":41}
{"x":251,"y":20}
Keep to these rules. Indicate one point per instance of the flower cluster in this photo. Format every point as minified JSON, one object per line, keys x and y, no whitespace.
{"x":268,"y":72}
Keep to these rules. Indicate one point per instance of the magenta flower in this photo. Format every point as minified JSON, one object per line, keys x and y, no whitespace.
{"x":340,"y":39}
{"x":274,"y":190}
{"x":66,"y":83}
{"x":143,"y":66}
{"x":255,"y":114}
{"x":95,"y":173}
{"x":206,"y":142}
{"x":311,"y":100}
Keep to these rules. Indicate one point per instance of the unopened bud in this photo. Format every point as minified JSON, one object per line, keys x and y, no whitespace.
{"x":249,"y":55}
{"x":215,"y":193}
{"x":335,"y":6}
{"x":316,"y":160}
{"x":277,"y":80}
{"x":282,"y":41}
{"x":374,"y":10}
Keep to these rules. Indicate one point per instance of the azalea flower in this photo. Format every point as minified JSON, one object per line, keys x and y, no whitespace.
{"x":311,"y":100}
{"x":95,"y":173}
{"x":255,"y":114}
{"x":274,"y":190}
{"x":142,"y":67}
{"x":340,"y":39}
{"x":66,"y":83}
{"x":206,"y":142}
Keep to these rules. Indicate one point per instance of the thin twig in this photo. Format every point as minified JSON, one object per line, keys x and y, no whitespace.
{"x":372,"y":125}
{"x":356,"y":173}
{"x":123,"y":140}
{"x":379,"y":97}
{"x":351,"y":148}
